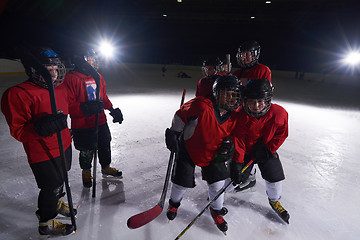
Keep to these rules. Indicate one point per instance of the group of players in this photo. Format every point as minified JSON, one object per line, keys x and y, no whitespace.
{"x":229,"y":123}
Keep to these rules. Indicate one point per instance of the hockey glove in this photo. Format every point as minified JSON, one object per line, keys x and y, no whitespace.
{"x":50,"y":124}
{"x":235,"y":171}
{"x":172,"y":140}
{"x":225,"y":151}
{"x":117,"y":115}
{"x":261,"y":152}
{"x":92,"y":107}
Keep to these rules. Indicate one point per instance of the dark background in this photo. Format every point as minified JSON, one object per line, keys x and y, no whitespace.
{"x":296,"y":35}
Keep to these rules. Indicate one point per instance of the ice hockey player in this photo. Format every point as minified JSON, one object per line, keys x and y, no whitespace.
{"x":248,"y":59}
{"x":27,"y":109}
{"x":198,"y":136}
{"x":82,"y":87}
{"x":261,"y":129}
{"x":211,"y":69}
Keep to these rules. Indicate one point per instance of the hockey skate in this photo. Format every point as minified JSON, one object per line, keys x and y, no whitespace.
{"x":111,"y":172}
{"x":55,"y":228}
{"x":87,"y":178}
{"x":219,"y":220}
{"x":249,"y":183}
{"x":63,"y":209}
{"x":283,"y":214}
{"x":172,"y":210}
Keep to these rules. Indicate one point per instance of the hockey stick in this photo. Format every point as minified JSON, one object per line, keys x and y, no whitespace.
{"x":228,"y":62}
{"x":143,"y":218}
{"x":95,"y":75}
{"x":221,"y":191}
{"x":48,"y":78}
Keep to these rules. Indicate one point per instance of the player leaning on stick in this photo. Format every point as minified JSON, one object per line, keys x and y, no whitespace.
{"x":82,"y":87}
{"x":198,"y":135}
{"x":27,"y":109}
{"x":261,"y":129}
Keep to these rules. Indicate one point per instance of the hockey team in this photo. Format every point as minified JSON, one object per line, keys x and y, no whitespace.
{"x":227,"y":129}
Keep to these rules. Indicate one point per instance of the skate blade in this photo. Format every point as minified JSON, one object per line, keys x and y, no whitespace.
{"x":224,"y":233}
{"x":55,"y":236}
{"x":111,"y":176}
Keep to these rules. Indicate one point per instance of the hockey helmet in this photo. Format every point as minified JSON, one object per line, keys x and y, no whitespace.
{"x":211,"y":66}
{"x":49,"y":59}
{"x":261,"y":91}
{"x":248,"y":54}
{"x":227,"y":92}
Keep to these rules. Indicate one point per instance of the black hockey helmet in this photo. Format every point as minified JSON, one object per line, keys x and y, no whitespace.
{"x":250,"y":46}
{"x":47,"y":57}
{"x":258,"y":89}
{"x":216,"y":63}
{"x":227,"y":92}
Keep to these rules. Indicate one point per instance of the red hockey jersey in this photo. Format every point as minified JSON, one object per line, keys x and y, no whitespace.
{"x":83,"y":88}
{"x":256,"y":72}
{"x":273,"y":127}
{"x":22,"y":106}
{"x":203,"y":131}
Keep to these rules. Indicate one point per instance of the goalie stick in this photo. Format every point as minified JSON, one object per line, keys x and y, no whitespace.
{"x":143,"y":218}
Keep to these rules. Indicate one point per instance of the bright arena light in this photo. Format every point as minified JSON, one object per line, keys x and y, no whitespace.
{"x":352,"y":58}
{"x":106,"y":49}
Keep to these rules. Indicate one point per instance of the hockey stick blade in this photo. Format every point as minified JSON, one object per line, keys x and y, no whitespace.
{"x":143,"y":218}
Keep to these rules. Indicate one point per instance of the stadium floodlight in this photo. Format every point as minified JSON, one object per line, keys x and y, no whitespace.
{"x":106,"y":49}
{"x":352,"y":58}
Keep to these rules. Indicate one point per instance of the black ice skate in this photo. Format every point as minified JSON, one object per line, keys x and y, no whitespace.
{"x":249,"y":183}
{"x":283,"y":214}
{"x":55,"y":228}
{"x":219,"y":220}
{"x":172,"y":210}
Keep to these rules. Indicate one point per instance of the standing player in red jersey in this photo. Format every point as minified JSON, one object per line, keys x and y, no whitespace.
{"x":198,"y":133}
{"x":211,"y":69}
{"x":82,"y":87}
{"x":261,"y":129}
{"x":27,"y":109}
{"x":248,"y":59}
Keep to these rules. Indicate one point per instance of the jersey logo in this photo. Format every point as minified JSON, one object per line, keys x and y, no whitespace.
{"x":91,"y":89}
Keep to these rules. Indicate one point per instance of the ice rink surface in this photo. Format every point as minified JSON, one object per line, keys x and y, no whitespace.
{"x":320,"y":159}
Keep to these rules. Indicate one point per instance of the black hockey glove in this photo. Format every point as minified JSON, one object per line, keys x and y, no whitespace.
{"x":225,"y":151}
{"x":172,"y":140}
{"x":92,"y":107}
{"x":117,"y":115}
{"x":50,"y":124}
{"x":235,"y":171}
{"x":261,"y":152}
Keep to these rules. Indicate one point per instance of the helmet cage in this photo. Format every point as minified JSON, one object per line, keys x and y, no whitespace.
{"x":231,"y":98}
{"x":92,"y":58}
{"x":226,"y":91}
{"x":254,"y":49}
{"x":215,"y":63}
{"x":258,"y":89}
{"x":47,"y":57}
